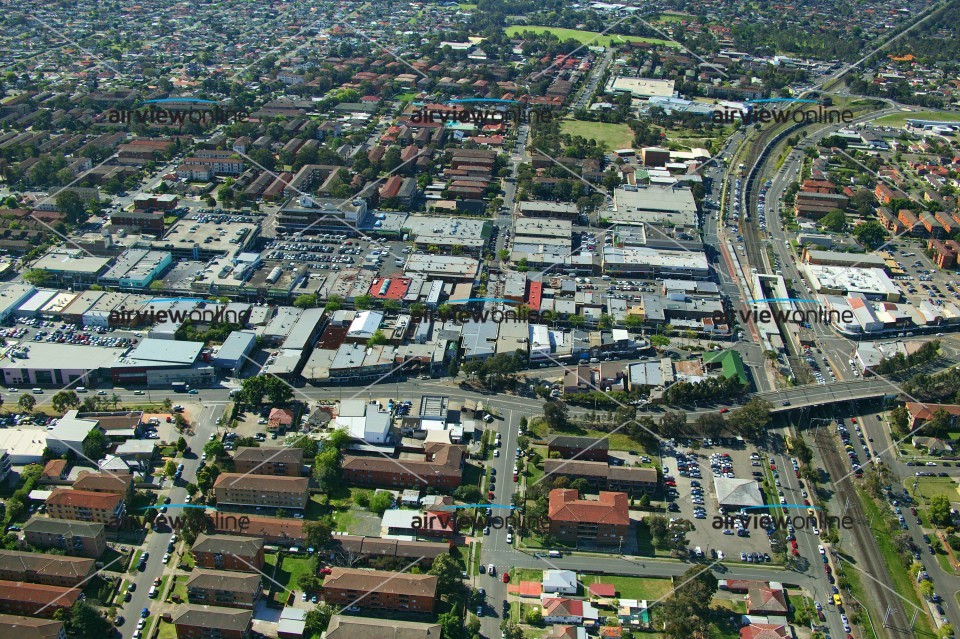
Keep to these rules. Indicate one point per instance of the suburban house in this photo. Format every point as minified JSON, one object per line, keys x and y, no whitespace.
{"x":569,"y":611}
{"x":85,"y":505}
{"x":237,"y":489}
{"x":581,"y":448}
{"x":380,"y":590}
{"x":341,"y":627}
{"x":223,"y":588}
{"x":287,"y":461}
{"x":765,"y":631}
{"x":563,"y":582}
{"x":633,"y":612}
{"x":40,"y":568}
{"x":441,"y":467}
{"x":933,"y":445}
{"x":228,"y":552}
{"x":35,"y":600}
{"x":605,"y":521}
{"x":279,"y":418}
{"x":920,"y":413}
{"x":766,"y":600}
{"x":31,"y":628}
{"x":211,"y":622}
{"x":566,"y":632}
{"x":77,"y":538}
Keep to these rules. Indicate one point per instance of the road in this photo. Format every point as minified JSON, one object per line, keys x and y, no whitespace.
{"x":156,"y":542}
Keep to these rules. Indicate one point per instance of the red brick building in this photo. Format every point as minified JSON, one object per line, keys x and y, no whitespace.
{"x":35,"y":600}
{"x":85,"y":505}
{"x":441,"y":467}
{"x":943,"y":256}
{"x":228,"y":552}
{"x":286,"y":461}
{"x":41,"y":568}
{"x":605,"y":521}
{"x":581,"y":448}
{"x":212,"y":622}
{"x":380,"y":589}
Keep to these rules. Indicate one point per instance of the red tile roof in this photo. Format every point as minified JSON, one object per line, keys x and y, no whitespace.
{"x":603,"y":590}
{"x":610,"y":508}
{"x":84,"y":499}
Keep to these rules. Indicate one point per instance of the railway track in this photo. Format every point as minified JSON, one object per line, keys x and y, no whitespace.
{"x":886,"y":609}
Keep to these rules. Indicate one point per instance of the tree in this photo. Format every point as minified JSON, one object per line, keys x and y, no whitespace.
{"x":95,"y":444}
{"x":363,"y":302}
{"x":835,"y":221}
{"x":871,"y":234}
{"x":686,"y":612}
{"x":658,"y":341}
{"x":447,"y":571}
{"x":214,"y":449}
{"x":900,"y":419}
{"x":85,"y":622}
{"x":253,"y":389}
{"x":326,"y":467}
{"x":26,"y":403}
{"x":377,"y":339}
{"x":752,"y":419}
{"x":534,"y":617}
{"x":673,"y":424}
{"x":334,"y":303}
{"x":38,"y":277}
{"x":555,"y":414}
{"x":170,"y":468}
{"x":926,"y":589}
{"x":181,"y":444}
{"x":317,"y":533}
{"x":940,"y":510}
{"x":278,"y":391}
{"x":64,"y":400}
{"x":318,"y":619}
{"x":451,"y":625}
{"x":381,"y":502}
{"x":308,"y":300}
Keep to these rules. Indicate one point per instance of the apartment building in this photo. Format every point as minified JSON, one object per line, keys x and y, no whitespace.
{"x":112,"y":483}
{"x":269,"y":461}
{"x":436,"y":465}
{"x":582,"y":448}
{"x":228,"y":552}
{"x":223,"y":588}
{"x":31,"y":628}
{"x":602,"y":476}
{"x":603,"y":522}
{"x":212,"y":622}
{"x":237,"y":489}
{"x":41,"y":568}
{"x":76,"y":538}
{"x":86,"y":505}
{"x":35,"y":600}
{"x":379,"y":589}
{"x":368,"y":628}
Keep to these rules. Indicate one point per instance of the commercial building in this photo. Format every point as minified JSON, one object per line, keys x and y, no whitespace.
{"x":315,"y":215}
{"x":70,"y":432}
{"x":228,"y":552}
{"x":666,"y":206}
{"x":642,"y":88}
{"x":603,"y":522}
{"x":552,"y":210}
{"x":72,"y":267}
{"x":41,"y":568}
{"x":136,"y":268}
{"x":223,"y":588}
{"x":57,"y":365}
{"x":83,"y":505}
{"x":159,"y":362}
{"x":737,"y":493}
{"x":236,"y":489}
{"x":12,"y":296}
{"x":380,"y":590}
{"x":75,"y":538}
{"x":235,"y":350}
{"x":445,"y":232}
{"x":24,"y":446}
{"x":655,"y":263}
{"x":436,"y":465}
{"x":212,"y":622}
{"x":275,"y":460}
{"x":448,"y":268}
{"x":871,"y":283}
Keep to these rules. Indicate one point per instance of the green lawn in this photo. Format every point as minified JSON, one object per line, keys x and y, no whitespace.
{"x":930,"y":486}
{"x":634,"y":587}
{"x":179,"y":588}
{"x":611,"y":136}
{"x":739,"y":607}
{"x":672,"y":17}
{"x":291,"y":569}
{"x":134,"y":561}
{"x":591,"y":38}
{"x":526,"y":574}
{"x":899,"y":119}
{"x":166,"y":630}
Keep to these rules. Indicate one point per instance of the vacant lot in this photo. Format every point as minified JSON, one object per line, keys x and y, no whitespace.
{"x":899,"y":119}
{"x":633,"y":587}
{"x":586,"y":37}
{"x":930,"y":486}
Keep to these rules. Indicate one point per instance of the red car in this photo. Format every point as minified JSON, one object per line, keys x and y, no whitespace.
{"x":796,"y":553}
{"x":827,"y":568}
{"x":325,"y":571}
{"x":516,"y":477}
{"x":670,"y":483}
{"x":490,"y":494}
{"x":724,"y":410}
{"x":505,"y":577}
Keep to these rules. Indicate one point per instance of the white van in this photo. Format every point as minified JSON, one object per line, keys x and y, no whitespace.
{"x":555,"y":554}
{"x":37,"y":391}
{"x":81,"y":389}
{"x":492,"y":570}
{"x":153,"y":592}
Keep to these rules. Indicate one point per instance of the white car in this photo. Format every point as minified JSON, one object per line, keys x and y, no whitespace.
{"x":496,"y":453}
{"x":141,"y":623}
{"x":166,"y":557}
{"x":822,"y":550}
{"x":509,"y":538}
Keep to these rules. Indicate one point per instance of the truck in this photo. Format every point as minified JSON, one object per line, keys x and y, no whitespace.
{"x":180,"y":387}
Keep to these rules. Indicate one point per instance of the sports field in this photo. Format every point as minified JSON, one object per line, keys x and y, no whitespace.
{"x":611,"y":136}
{"x":899,"y":119}
{"x":591,"y":38}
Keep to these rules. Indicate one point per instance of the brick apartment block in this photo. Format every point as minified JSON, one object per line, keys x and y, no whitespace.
{"x":31,"y":628}
{"x":602,"y":522}
{"x":41,"y":568}
{"x":76,"y":538}
{"x":212,"y":622}
{"x":121,"y":485}
{"x":440,"y":467}
{"x":380,"y":589}
{"x":35,"y":600}
{"x":85,"y":505}
{"x":237,"y":489}
{"x":269,"y":461}
{"x":581,"y":448}
{"x":223,"y":588}
{"x":228,"y":552}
